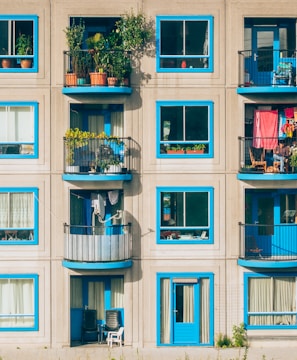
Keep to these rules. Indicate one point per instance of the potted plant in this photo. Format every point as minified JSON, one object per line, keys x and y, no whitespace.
{"x":6,"y":62}
{"x":96,"y":46}
{"x":196,"y":149}
{"x":175,"y":149}
{"x":24,"y":46}
{"x":74,"y":139}
{"x":74,"y":37}
{"x":293,"y":161}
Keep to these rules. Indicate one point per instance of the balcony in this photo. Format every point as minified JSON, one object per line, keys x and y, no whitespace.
{"x":269,"y":246}
{"x":94,"y":247}
{"x":95,"y":159}
{"x":82,"y":76}
{"x":262,"y":71}
{"x":257,"y":163}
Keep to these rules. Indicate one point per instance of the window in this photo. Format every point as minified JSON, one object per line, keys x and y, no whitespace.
{"x":185,"y":215}
{"x":19,"y":130}
{"x":18,"y":302}
{"x":18,"y":42}
{"x":270,"y":301}
{"x":18,"y":216}
{"x":184,"y":128}
{"x":185,"y":309}
{"x":184,"y":43}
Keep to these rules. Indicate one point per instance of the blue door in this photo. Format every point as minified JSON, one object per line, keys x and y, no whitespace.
{"x":265,"y":58}
{"x":185,"y":313}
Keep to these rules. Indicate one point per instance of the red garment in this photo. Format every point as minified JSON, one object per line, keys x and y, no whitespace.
{"x":265,"y":129}
{"x":289,"y":113}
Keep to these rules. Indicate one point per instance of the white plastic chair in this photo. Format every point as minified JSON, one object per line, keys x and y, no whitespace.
{"x":115,"y":337}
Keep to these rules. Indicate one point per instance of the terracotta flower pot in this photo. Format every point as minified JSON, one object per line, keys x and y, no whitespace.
{"x":71,"y":80}
{"x":26,"y":63}
{"x":112,"y":81}
{"x":7,"y":63}
{"x":98,"y":79}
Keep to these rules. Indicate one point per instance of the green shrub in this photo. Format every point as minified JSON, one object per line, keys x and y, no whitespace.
{"x":239,"y":336}
{"x":223,"y":341}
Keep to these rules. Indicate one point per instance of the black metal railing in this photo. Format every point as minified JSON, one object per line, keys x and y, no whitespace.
{"x":79,"y":67}
{"x":113,"y":155}
{"x":264,"y":67}
{"x":269,"y":242}
{"x":97,"y":243}
{"x":256,"y":155}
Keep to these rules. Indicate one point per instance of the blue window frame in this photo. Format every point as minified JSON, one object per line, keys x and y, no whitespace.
{"x":19,"y":130}
{"x":277,"y":308}
{"x":185,"y":215}
{"x":185,"y":309}
{"x":19,"y":216}
{"x":19,"y":302}
{"x":14,"y":28}
{"x":184,"y":129}
{"x":184,"y":43}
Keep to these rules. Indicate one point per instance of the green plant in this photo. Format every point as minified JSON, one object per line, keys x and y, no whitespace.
{"x":223,"y":341}
{"x":239,"y":335}
{"x":96,"y":45}
{"x":175,"y":147}
{"x":293,"y":160}
{"x":199,"y":147}
{"x":74,"y":139}
{"x":74,"y":36}
{"x":24,"y":44}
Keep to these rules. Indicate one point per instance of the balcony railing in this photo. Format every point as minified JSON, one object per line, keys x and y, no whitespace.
{"x":269,"y":242}
{"x":256,"y":155}
{"x":257,"y":68}
{"x":101,"y":156}
{"x":97,"y":244}
{"x":79,"y":69}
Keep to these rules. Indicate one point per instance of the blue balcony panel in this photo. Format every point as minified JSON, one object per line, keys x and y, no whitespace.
{"x":278,"y":89}
{"x":277,"y":264}
{"x":266,"y":176}
{"x":97,"y":265}
{"x":84,"y":90}
{"x":99,"y":177}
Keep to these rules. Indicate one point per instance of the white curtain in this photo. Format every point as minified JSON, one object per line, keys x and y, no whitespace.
{"x":117,"y":293}
{"x":96,"y":123}
{"x":272,"y":295}
{"x":117,"y":124}
{"x":96,"y":298}
{"x":204,"y":310}
{"x":165,"y":311}
{"x":188,"y":294}
{"x":16,"y":299}
{"x":16,"y":210}
{"x":17,"y":123}
{"x":76,"y":292}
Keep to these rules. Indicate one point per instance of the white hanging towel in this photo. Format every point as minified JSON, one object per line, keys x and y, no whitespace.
{"x":113,"y":196}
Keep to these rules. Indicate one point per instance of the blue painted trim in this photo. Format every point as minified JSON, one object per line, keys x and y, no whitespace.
{"x":97,"y":265}
{"x":246,"y":277}
{"x":266,"y":176}
{"x":35,"y":241}
{"x":35,"y":278}
{"x":34,"y":68}
{"x":209,"y":19}
{"x":170,"y":276}
{"x":76,"y":90}
{"x":35,"y":124}
{"x":103,"y":177}
{"x":264,"y":264}
{"x":210,"y":192}
{"x":209,"y":104}
{"x":266,"y":89}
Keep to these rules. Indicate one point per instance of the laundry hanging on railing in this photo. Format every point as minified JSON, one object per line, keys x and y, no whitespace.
{"x":265,"y":129}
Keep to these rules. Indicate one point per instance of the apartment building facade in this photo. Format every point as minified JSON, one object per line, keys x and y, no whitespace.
{"x":190,"y":228}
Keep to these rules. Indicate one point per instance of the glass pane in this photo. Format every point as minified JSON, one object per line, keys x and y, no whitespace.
{"x":197,"y":209}
{"x":265,"y":50}
{"x":76,"y":292}
{"x":266,"y":216}
{"x":21,"y":210}
{"x":196,"y":37}
{"x":184,"y":303}
{"x":117,"y":293}
{"x":196,"y":123}
{"x":171,"y":38}
{"x":171,"y":123}
{"x":22,"y":117}
{"x":288,"y":207}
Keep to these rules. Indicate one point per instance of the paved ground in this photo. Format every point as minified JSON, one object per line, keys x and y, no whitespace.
{"x":126,"y":353}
